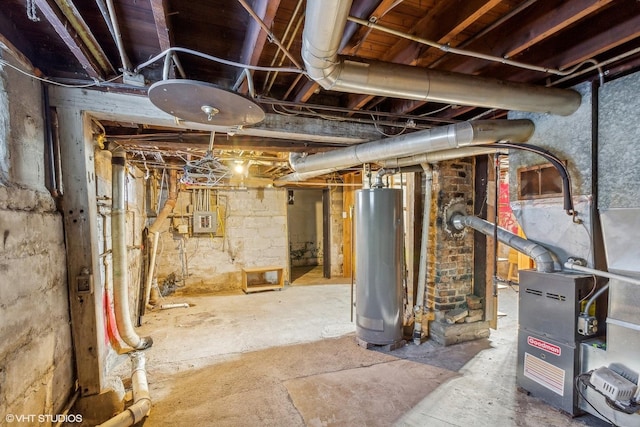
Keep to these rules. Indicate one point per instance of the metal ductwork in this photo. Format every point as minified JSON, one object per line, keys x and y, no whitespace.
{"x":544,"y":258}
{"x":438,"y":156}
{"x":442,"y":138}
{"x":324,"y":25}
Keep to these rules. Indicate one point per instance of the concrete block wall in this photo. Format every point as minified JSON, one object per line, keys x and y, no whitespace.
{"x":255,"y":235}
{"x":544,"y":220}
{"x":36,"y":356}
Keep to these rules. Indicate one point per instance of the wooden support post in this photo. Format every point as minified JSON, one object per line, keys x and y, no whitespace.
{"x":86,"y":291}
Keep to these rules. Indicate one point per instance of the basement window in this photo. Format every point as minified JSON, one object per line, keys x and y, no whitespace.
{"x":539,"y":181}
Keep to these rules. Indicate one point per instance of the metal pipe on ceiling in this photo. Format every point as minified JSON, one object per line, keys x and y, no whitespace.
{"x":429,"y":140}
{"x":325,"y":22}
{"x":437,"y":156}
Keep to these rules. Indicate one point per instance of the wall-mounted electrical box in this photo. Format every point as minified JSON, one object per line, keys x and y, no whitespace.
{"x":205,"y":222}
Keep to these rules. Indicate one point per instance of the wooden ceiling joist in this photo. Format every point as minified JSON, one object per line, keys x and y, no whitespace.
{"x":73,"y":39}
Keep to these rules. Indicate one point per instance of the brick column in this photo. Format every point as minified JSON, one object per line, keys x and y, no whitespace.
{"x":450,"y":269}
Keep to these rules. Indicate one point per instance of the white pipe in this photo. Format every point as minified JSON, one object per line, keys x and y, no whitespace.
{"x":154,"y":229}
{"x":141,"y":398}
{"x":324,"y":25}
{"x":424,"y":247}
{"x":573,"y":264}
{"x":175,"y":305}
{"x":126,"y":64}
{"x":152,"y":265}
{"x":119,"y":256}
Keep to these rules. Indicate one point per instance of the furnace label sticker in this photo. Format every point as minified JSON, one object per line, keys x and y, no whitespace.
{"x":544,"y":373}
{"x":543,"y":345}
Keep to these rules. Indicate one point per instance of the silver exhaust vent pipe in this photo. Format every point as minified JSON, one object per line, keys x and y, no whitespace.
{"x":442,"y":138}
{"x":324,"y":24}
{"x":544,"y":258}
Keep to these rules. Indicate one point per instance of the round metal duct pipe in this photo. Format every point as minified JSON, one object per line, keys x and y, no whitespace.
{"x":441,"y":138}
{"x":378,"y":242}
{"x":325,"y":21}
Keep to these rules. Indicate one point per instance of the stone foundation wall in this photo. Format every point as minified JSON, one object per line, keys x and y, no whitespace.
{"x":36,"y":369}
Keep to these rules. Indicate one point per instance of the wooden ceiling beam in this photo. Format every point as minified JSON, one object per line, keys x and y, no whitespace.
{"x":255,"y":39}
{"x":557,"y":20}
{"x":589,"y":47}
{"x":442,"y":24}
{"x":163,"y":29}
{"x":71,"y":38}
{"x":552,"y":22}
{"x":261,"y":144}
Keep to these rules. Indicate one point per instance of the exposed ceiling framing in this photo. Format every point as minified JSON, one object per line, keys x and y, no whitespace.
{"x":73,"y":42}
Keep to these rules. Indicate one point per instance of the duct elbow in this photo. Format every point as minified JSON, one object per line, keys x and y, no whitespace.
{"x":543,"y":258}
{"x":323,"y":70}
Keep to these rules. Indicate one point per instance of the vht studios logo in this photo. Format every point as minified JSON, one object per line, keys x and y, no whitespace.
{"x":543,"y":345}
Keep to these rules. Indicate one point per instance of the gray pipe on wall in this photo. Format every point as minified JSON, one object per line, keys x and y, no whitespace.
{"x":325,"y":21}
{"x":120,"y":256}
{"x":544,"y":258}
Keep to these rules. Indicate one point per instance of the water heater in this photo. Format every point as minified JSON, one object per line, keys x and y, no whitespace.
{"x":379,"y":263}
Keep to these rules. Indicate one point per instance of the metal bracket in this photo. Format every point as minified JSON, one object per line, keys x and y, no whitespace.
{"x":84,"y":282}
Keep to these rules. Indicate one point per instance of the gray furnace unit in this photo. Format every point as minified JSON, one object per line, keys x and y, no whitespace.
{"x":548,"y":341}
{"x":379,"y":262}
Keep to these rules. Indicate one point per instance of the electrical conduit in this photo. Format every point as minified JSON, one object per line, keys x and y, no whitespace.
{"x":119,"y":256}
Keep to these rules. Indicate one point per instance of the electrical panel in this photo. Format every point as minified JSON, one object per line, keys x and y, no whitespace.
{"x":205,"y":222}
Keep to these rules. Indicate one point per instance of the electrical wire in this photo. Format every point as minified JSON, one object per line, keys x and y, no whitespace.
{"x":580,"y":380}
{"x":53,"y":82}
{"x":556,"y":162}
{"x":593,"y":288}
{"x":217,"y":59}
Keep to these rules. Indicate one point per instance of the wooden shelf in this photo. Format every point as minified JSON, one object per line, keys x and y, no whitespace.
{"x":258,"y":279}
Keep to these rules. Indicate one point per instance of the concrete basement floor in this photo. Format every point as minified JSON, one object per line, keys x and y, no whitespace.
{"x":289,"y":358}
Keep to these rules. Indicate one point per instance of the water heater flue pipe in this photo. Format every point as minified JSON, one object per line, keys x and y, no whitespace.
{"x":120,"y":256}
{"x":544,"y":258}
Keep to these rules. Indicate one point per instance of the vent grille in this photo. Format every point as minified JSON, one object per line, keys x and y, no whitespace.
{"x":534,"y":292}
{"x":556,"y":296}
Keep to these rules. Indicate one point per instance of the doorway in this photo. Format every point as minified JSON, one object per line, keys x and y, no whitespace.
{"x":308,"y":234}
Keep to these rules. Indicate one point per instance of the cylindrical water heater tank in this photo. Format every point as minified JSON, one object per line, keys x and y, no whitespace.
{"x":379,"y":263}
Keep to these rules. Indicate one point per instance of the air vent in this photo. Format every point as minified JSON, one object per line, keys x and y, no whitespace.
{"x":533,"y":292}
{"x":556,"y":296}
